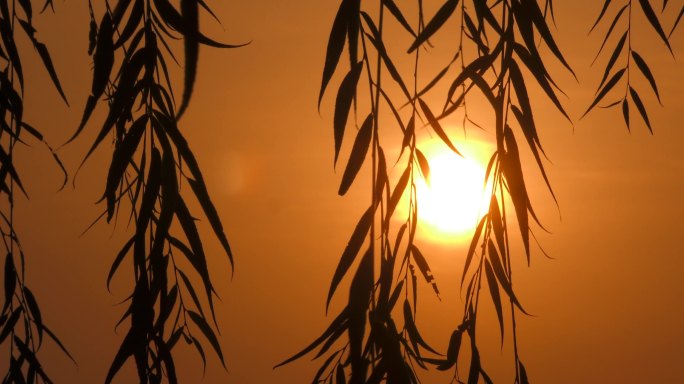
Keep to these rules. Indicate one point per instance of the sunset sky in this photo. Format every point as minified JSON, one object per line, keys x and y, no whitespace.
{"x":608,"y":308}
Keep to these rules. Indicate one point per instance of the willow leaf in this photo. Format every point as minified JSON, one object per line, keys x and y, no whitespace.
{"x":452,"y":350}
{"x":345,"y":95}
{"x":118,"y":259}
{"x":516,"y":184}
{"x":103,"y":59}
{"x":335,"y":45}
{"x":396,"y":12}
{"x":494,"y":293}
{"x":436,"y":126}
{"x":44,"y":56}
{"x":9,"y":325}
{"x":501,"y":276}
{"x":122,"y":156}
{"x":127,"y":349}
{"x":190,"y":13}
{"x":360,"y":292}
{"x":613,"y":58}
{"x":424,"y":165}
{"x":610,"y":30}
{"x":209,"y":209}
{"x":435,"y":23}
{"x":653,"y":19}
{"x":643,"y":67}
{"x":131,"y":25}
{"x":350,"y":252}
{"x":625,"y":112}
{"x":602,"y":93}
{"x":473,"y":244}
{"x":422,"y":264}
{"x":606,"y":3}
{"x":10,"y":281}
{"x":208,"y":333}
{"x":640,"y":107}
{"x":358,"y":154}
{"x":412,"y":330}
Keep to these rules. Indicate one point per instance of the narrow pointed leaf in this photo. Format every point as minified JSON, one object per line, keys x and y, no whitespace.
{"x":435,"y":23}
{"x":345,"y":95}
{"x":358,"y":154}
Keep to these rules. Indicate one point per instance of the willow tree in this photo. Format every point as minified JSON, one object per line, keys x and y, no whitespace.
{"x":496,"y":56}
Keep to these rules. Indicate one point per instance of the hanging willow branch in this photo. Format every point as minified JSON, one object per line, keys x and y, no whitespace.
{"x":613,"y":73}
{"x":22,"y":327}
{"x":499,"y":41}
{"x":150,"y":161}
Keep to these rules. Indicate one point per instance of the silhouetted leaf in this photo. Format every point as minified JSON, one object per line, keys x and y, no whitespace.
{"x":424,"y":165}
{"x":10,"y":281}
{"x":9,"y":325}
{"x":647,"y":72}
{"x":209,"y":209}
{"x":345,"y":95}
{"x":350,"y":252}
{"x":396,"y":12}
{"x":452,"y":350}
{"x":501,"y":276}
{"x":613,"y":58}
{"x":35,"y":312}
{"x":133,"y":21}
{"x":127,"y":349}
{"x":653,"y":19}
{"x":523,"y":373}
{"x":494,"y":293}
{"x":376,"y":40}
{"x":358,"y":154}
{"x":610,"y":30}
{"x":412,"y":330}
{"x":436,"y":126}
{"x":512,"y":170}
{"x":606,"y":3}
{"x":208,"y":333}
{"x":625,"y":112}
{"x":103,"y":61}
{"x":473,"y":244}
{"x":424,"y":267}
{"x":640,"y":107}
{"x":602,"y":93}
{"x":44,"y":56}
{"x":335,"y":45}
{"x":434,"y":24}
{"x":325,"y":365}
{"x":360,"y":292}
{"x":122,"y":156}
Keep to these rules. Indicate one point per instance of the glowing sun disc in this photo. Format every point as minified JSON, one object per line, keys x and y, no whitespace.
{"x":450,"y":206}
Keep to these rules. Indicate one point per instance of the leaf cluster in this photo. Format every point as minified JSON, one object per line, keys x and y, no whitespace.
{"x":150,"y":161}
{"x":21,"y":323}
{"x":613,"y":73}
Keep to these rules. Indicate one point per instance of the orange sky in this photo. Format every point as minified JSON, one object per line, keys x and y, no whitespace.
{"x":609,"y":308}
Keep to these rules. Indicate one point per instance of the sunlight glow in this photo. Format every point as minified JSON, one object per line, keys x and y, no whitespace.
{"x":453,"y":201}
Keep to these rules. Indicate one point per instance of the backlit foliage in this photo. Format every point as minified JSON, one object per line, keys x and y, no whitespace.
{"x":496,"y":55}
{"x":22,"y":326}
{"x":131,"y":48}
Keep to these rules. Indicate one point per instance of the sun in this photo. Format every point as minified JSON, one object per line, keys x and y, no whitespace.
{"x":455,"y":198}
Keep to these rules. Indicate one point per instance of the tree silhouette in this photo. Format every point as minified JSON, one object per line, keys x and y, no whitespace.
{"x":501,"y":51}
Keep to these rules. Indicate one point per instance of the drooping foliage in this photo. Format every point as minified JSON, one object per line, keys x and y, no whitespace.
{"x":132,"y":46}
{"x":22,"y":325}
{"x":502,"y":50}
{"x":623,"y":25}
